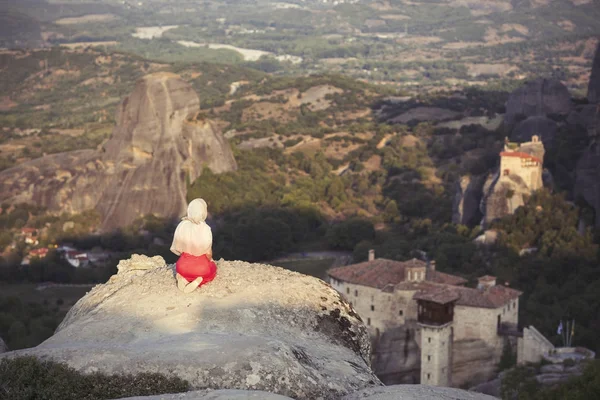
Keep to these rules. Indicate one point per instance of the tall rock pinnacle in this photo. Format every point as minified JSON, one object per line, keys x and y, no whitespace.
{"x":156,"y":147}
{"x":594,"y":85}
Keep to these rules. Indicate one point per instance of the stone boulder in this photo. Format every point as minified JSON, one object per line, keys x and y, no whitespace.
{"x":594,"y":84}
{"x":466,"y":200}
{"x":538,"y":125}
{"x":540,"y":97}
{"x":158,"y":145}
{"x":415,"y":392}
{"x":3,"y":346}
{"x":255,"y":327}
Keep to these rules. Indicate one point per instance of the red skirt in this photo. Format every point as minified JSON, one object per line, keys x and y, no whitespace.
{"x":191,"y":267}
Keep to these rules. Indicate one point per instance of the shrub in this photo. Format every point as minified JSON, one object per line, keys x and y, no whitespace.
{"x":30,"y":378}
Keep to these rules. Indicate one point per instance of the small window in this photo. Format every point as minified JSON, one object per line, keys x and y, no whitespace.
{"x":428,"y":340}
{"x":401,"y":313}
{"x":368,"y":321}
{"x":347,"y":290}
{"x":356,"y":292}
{"x":428,"y":376}
{"x":372,"y":308}
{"x":443,"y":343}
{"x":506,"y":172}
{"x":428,"y":358}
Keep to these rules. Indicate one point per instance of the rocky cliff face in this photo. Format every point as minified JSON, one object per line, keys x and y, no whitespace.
{"x":397,"y":358}
{"x":594,"y":85}
{"x":255,"y":327}
{"x":157,"y":146}
{"x":587,"y":184}
{"x":469,"y":190}
{"x":539,"y":97}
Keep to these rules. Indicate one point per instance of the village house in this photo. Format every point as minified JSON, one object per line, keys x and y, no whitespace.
{"x":458,"y":333}
{"x":30,"y":236}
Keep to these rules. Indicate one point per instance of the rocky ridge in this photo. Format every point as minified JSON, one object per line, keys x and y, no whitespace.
{"x":255,"y":327}
{"x":157,"y":146}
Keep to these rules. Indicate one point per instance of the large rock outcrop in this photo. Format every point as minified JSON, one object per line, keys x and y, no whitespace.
{"x":3,"y":347}
{"x":594,"y":84}
{"x":157,"y":146}
{"x":469,"y":190}
{"x":540,"y":97}
{"x":255,"y":327}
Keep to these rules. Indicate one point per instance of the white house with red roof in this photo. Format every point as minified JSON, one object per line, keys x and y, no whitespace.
{"x":459,"y":331}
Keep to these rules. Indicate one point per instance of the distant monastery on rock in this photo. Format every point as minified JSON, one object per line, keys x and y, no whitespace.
{"x":428,"y":328}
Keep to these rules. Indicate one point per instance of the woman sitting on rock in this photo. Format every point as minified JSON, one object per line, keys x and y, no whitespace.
{"x":193,"y":243}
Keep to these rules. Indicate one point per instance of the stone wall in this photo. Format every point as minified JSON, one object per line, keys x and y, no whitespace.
{"x":532,"y":346}
{"x":471,"y":323}
{"x":380,"y":310}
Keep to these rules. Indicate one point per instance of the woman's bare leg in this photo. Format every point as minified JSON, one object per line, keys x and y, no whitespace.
{"x":185,"y":286}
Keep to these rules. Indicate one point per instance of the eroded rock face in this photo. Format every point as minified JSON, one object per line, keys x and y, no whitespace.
{"x":397,"y":357}
{"x":502,"y":196}
{"x":541,"y":97}
{"x":156,"y":147}
{"x":587,"y":182}
{"x":255,"y":327}
{"x":415,"y":392}
{"x":3,"y":347}
{"x":594,"y":84}
{"x":467,"y":199}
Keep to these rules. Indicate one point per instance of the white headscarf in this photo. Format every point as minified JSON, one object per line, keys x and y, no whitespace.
{"x":193,"y":235}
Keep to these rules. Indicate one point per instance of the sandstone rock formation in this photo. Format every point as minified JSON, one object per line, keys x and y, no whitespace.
{"x":3,"y":347}
{"x":541,"y":97}
{"x":469,"y":191}
{"x":415,"y":392}
{"x":156,"y":147}
{"x":397,"y":358}
{"x":594,"y":84}
{"x":255,"y":327}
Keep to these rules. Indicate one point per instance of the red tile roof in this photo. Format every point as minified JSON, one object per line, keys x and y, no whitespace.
{"x":382,"y":272}
{"x":377,"y":273}
{"x":441,"y":295}
{"x":441,"y":277}
{"x":492,"y":297}
{"x":519,"y":154}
